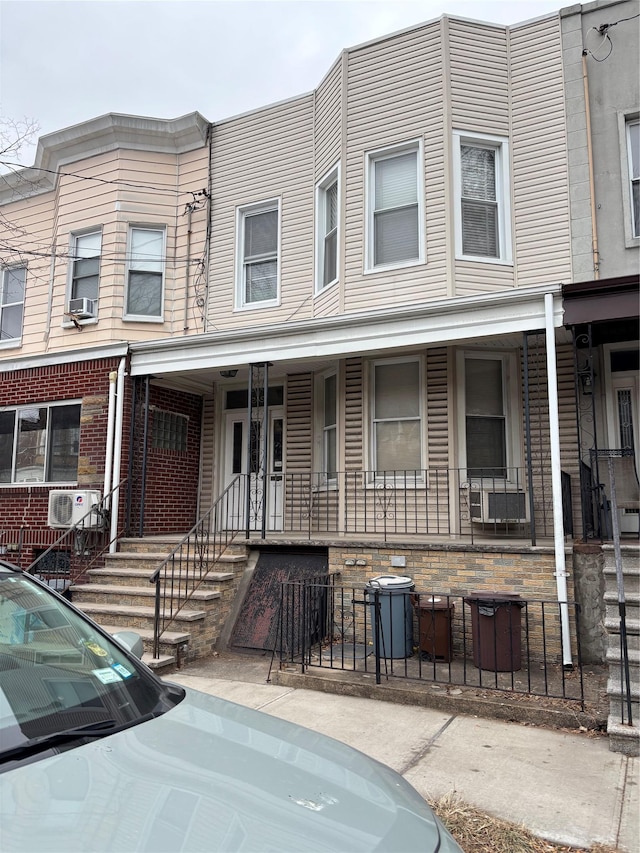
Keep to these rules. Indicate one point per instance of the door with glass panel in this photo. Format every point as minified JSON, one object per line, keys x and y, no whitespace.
{"x":622,"y":417}
{"x":262,"y":486}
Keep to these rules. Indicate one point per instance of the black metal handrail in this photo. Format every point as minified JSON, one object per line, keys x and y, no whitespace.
{"x":181,"y":573}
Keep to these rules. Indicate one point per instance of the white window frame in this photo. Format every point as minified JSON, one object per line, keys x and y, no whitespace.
{"x":373,"y":157}
{"x":374,"y":477}
{"x":321,"y":429}
{"x":73,"y":257}
{"x":625,"y":122}
{"x":241,"y":214}
{"x":511,"y":403}
{"x":500,"y":145}
{"x":145,"y":318}
{"x":332,"y":177}
{"x":4,"y":272}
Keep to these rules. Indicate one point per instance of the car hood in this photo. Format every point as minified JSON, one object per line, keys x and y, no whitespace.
{"x":210,"y":775}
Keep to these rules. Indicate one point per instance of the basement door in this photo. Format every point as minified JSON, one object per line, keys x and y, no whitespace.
{"x":236,"y":463}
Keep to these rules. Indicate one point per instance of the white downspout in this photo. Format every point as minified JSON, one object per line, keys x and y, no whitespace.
{"x":556,"y":480}
{"x":108,"y":455}
{"x":117,"y":457}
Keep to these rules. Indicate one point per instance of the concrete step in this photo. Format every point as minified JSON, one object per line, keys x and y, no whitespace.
{"x":167,"y":638}
{"x":135,"y":595}
{"x":612,"y":624}
{"x":139,"y":575}
{"x":623,"y":738}
{"x":614,"y":649}
{"x":632,"y":606}
{"x":133,"y":616}
{"x":161,"y":665}
{"x":152,"y":560}
{"x":164,"y":544}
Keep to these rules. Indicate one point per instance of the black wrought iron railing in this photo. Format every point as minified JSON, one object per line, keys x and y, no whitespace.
{"x":196,"y":555}
{"x":489,"y":641}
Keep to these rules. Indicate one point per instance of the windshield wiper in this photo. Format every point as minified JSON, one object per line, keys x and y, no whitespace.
{"x":37,"y":744}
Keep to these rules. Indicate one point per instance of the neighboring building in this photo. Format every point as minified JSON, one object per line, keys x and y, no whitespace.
{"x":364,"y":342}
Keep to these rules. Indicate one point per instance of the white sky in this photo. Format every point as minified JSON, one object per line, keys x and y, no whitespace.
{"x":65,"y":62}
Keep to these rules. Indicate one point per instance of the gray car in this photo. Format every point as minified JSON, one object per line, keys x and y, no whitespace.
{"x":97,"y":754}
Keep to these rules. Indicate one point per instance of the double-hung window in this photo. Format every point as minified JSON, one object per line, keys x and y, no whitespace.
{"x":327,"y":229}
{"x":396,"y":418}
{"x":145,"y":273}
{"x":395,"y":207}
{"x":327,"y":425}
{"x":258,"y":269}
{"x":12,"y":304}
{"x":481,"y":185}
{"x":40,"y":443}
{"x":85,"y":274}
{"x":633,"y":149}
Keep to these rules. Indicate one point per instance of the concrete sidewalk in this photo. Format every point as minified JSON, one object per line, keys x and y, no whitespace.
{"x":564,"y":787}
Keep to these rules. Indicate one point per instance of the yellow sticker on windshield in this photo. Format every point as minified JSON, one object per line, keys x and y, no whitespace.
{"x":96,"y":649}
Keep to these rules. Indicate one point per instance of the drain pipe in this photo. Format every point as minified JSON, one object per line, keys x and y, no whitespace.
{"x":556,"y":481}
{"x":108,"y":456}
{"x":117,"y":457}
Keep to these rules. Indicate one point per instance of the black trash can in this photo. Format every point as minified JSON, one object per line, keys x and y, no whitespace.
{"x":435,"y":626}
{"x":394,"y":636}
{"x":495,"y":627}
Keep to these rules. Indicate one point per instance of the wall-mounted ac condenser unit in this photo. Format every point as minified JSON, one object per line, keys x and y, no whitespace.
{"x":82,"y":308}
{"x":499,"y":506}
{"x":71,"y":507}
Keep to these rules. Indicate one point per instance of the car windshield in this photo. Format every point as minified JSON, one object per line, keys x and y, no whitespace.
{"x":62,"y":680}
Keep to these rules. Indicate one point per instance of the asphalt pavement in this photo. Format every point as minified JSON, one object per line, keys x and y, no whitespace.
{"x":565,"y":787}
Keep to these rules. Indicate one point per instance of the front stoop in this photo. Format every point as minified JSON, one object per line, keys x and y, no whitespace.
{"x":623,"y":737}
{"x":120,"y":597}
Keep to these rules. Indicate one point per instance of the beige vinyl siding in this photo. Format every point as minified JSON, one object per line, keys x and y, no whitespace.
{"x":327,"y":303}
{"x":209,"y":491}
{"x":479,"y":77}
{"x":262,"y":156}
{"x":394,"y":97}
{"x":298,"y":451}
{"x":354,"y":419}
{"x":539,"y":152}
{"x":327,"y":121}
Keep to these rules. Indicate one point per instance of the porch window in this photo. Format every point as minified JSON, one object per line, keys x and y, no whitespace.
{"x":397,"y":426}
{"x":329,"y":426}
{"x":39,"y":444}
{"x":485,"y":417}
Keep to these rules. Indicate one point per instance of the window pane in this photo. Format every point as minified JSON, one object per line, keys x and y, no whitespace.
{"x":397,"y":391}
{"x":396,"y":181}
{"x":478,"y":172}
{"x":144,"y":294}
{"x":13,"y":285}
{"x":64,"y":443}
{"x":7,"y":423}
{"x":261,"y":281}
{"x":483,"y":386}
{"x":331,"y":207}
{"x":396,"y":236}
{"x":30,"y":457}
{"x":397,"y":446}
{"x":330,"y":400}
{"x":11,"y":322}
{"x":146,"y":250}
{"x":330,"y":453}
{"x":486,"y":447}
{"x":634,"y":148}
{"x":330,"y":257}
{"x":88,"y":245}
{"x":480,"y":229}
{"x":260,"y":234}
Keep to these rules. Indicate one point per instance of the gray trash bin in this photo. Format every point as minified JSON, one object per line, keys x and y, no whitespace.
{"x":395,"y":627}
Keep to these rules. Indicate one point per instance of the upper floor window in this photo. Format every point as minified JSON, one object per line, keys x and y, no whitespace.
{"x":40,"y":443}
{"x":12,"y":305}
{"x":258,"y":269}
{"x":327,"y":231}
{"x":85,"y":274}
{"x":395,"y":207}
{"x":481,"y":185}
{"x":145,"y":273}
{"x":396,"y":409}
{"x":633,"y":148}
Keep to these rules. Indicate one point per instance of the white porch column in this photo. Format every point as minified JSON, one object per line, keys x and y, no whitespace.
{"x":556,"y":479}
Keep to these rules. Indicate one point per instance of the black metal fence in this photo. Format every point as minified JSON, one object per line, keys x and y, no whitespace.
{"x":487,"y":641}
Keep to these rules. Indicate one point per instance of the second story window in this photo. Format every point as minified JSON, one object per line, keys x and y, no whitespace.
{"x":85,"y":274}
{"x":633,"y":146}
{"x":12,"y":304}
{"x":258,"y":255}
{"x":145,"y":274}
{"x":395,"y":208}
{"x":327,"y":216}
{"x":482,"y":197}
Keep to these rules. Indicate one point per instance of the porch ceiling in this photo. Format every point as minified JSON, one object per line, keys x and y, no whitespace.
{"x":497,"y":319}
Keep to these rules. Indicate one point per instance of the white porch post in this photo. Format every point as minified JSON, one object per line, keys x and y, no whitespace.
{"x":556,"y":479}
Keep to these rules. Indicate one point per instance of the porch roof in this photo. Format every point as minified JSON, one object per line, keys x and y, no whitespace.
{"x":303,"y":343}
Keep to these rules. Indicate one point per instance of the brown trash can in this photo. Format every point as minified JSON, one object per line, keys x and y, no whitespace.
{"x":435,"y":627}
{"x":495,"y":627}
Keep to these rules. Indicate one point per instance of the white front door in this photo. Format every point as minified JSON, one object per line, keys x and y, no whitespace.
{"x":622,"y":425}
{"x":236,"y":463}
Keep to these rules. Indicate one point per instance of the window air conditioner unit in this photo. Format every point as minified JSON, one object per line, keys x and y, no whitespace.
{"x":82,"y":308}
{"x":507,"y":505}
{"x":69,"y":508}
